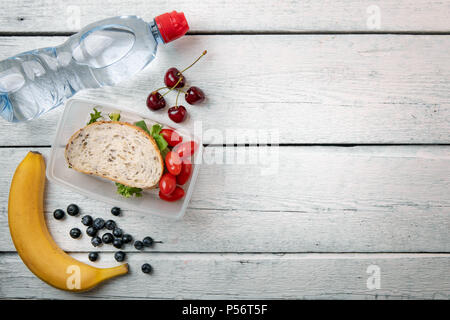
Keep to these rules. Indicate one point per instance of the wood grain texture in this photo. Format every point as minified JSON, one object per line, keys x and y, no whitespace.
{"x":319,"y":199}
{"x":249,"y":276}
{"x":311,"y":224}
{"x":234,"y":15}
{"x":306,"y":88}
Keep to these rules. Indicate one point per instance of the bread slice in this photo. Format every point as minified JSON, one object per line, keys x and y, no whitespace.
{"x":118,"y":151}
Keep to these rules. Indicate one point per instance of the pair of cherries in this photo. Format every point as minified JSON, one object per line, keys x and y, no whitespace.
{"x":175,"y":80}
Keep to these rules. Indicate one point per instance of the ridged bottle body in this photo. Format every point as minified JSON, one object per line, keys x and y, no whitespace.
{"x":101,"y":54}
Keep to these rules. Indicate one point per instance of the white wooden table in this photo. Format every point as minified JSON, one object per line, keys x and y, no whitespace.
{"x":361,"y":182}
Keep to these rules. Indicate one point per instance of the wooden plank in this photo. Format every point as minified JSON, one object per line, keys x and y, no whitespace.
{"x":319,"y":199}
{"x":306,"y":89}
{"x":250,"y":276}
{"x":236,"y":16}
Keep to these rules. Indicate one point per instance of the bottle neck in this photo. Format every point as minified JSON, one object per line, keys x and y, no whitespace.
{"x":155,"y":32}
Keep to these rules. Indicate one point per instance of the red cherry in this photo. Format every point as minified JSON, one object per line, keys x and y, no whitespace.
{"x":194,"y":95}
{"x":177,"y":113}
{"x":172,"y":77}
{"x":155,"y":101}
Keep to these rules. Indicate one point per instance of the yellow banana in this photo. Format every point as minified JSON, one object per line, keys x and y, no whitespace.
{"x":33,"y":241}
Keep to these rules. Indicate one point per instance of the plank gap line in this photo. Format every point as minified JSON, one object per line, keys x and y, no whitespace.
{"x":308,"y":254}
{"x":242,"y":33}
{"x":240,"y":145}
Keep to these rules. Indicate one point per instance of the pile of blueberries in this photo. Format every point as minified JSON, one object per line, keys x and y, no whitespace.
{"x":116,"y":237}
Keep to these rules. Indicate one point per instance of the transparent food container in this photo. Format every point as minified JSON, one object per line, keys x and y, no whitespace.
{"x":75,"y":116}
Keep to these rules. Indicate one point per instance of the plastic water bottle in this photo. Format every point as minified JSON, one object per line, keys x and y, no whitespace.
{"x":101,"y":54}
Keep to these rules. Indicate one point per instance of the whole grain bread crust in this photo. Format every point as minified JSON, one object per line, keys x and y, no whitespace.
{"x":75,"y":135}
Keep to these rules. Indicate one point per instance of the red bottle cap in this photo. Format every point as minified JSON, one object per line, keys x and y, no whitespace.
{"x":172,"y":25}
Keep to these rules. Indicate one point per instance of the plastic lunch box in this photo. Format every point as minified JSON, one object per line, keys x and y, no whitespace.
{"x":76,"y":116}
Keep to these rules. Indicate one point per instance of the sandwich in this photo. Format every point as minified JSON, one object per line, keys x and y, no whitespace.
{"x":118,"y":151}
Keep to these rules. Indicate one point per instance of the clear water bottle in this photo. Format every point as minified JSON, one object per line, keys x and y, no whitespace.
{"x":101,"y":54}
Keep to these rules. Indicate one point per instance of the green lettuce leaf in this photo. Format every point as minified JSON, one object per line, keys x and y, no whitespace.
{"x":154,"y":132}
{"x":156,"y":129}
{"x":141,"y":124}
{"x":128,"y":192}
{"x":95,"y":116}
{"x":114,"y":116}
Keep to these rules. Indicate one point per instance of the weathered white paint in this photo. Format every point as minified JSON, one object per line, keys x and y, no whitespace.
{"x":235,"y":15}
{"x":249,"y":276}
{"x":308,"y":88}
{"x":321,"y":199}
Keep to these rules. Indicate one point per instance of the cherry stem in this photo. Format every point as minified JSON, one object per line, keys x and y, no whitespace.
{"x":204,"y":52}
{"x":182,"y":91}
{"x":176,"y":101}
{"x":160,"y":89}
{"x":179,"y":80}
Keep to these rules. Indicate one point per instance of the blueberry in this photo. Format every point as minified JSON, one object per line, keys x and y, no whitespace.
{"x":147,"y":241}
{"x":127,"y":238}
{"x":117,"y":232}
{"x":87,"y":220}
{"x":138,"y":245}
{"x":117,"y":242}
{"x":73,"y":210}
{"x":58,"y":214}
{"x":107,"y":238}
{"x":110,"y":224}
{"x":75,"y":233}
{"x":99,"y":223}
{"x":119,"y":256}
{"x":96,"y":241}
{"x":146,"y":268}
{"x":93,"y":256}
{"x":115,"y":211}
{"x":91,"y":231}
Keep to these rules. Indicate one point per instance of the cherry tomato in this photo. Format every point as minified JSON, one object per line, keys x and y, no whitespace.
{"x":167,"y":184}
{"x":173,"y":163}
{"x":186,"y":149}
{"x":171,"y":136}
{"x":177,"y":194}
{"x":185,"y":174}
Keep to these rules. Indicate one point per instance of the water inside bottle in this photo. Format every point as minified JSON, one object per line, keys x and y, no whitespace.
{"x":102,"y":47}
{"x":32,"y":80}
{"x":102,"y":54}
{"x":41,"y":79}
{"x":11,"y":80}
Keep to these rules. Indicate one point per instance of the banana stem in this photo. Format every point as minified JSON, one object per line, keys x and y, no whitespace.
{"x":108,"y":273}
